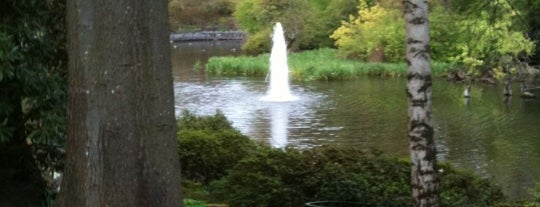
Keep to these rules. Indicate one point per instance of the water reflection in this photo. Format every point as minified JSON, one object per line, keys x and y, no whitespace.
{"x":188,"y":58}
{"x":279,"y":113}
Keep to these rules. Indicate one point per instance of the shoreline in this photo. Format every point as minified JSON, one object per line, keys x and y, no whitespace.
{"x":207,"y":36}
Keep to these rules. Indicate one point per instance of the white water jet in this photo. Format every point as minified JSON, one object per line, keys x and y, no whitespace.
{"x":279,"y":89}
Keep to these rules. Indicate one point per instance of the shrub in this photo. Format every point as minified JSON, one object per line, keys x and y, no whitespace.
{"x":220,"y":164}
{"x":290,"y":177}
{"x":209,"y":146}
{"x":193,"y":203}
{"x":459,"y":188}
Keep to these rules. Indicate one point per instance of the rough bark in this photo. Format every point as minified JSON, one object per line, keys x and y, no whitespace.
{"x":424,"y":180}
{"x":121,"y":147}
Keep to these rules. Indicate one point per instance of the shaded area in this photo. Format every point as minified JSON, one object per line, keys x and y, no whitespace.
{"x":21,"y":181}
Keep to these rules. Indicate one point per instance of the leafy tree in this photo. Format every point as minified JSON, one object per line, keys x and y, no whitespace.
{"x":530,"y":10}
{"x":375,"y":27}
{"x":32,"y":96}
{"x":258,"y":16}
{"x":477,"y":35}
{"x":307,"y":24}
{"x":187,"y":15}
{"x":490,"y":41}
{"x":121,"y":148}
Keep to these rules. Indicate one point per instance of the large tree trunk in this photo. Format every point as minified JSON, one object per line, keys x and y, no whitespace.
{"x":121,"y":147}
{"x":424,"y":180}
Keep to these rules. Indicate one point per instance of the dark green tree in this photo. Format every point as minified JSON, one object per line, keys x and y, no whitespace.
{"x":529,"y":11}
{"x":32,"y":95}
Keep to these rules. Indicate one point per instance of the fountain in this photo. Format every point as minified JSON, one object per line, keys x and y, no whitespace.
{"x":279,"y":89}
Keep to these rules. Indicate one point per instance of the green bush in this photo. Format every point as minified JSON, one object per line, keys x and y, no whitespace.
{"x":259,"y":42}
{"x":219,"y":164}
{"x":209,"y":146}
{"x":272,"y":177}
{"x":193,"y":203}
{"x":459,"y":188}
{"x":290,"y":177}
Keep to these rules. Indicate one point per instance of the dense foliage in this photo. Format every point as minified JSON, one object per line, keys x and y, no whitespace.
{"x":33,"y":71}
{"x":481,"y":40}
{"x":490,"y":41}
{"x":265,"y":176}
{"x":189,"y":15}
{"x":377,"y":27}
{"x":524,"y":15}
{"x":307,"y":24}
{"x":209,"y":145}
{"x":274,"y":177}
{"x":485,"y":38}
{"x":32,"y":97}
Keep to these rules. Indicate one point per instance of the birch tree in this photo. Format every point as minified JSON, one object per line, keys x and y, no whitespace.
{"x":424,"y":179}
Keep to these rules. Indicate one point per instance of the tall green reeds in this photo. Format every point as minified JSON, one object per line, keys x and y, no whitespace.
{"x":320,"y":64}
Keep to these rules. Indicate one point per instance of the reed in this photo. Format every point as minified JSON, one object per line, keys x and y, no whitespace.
{"x":320,"y":64}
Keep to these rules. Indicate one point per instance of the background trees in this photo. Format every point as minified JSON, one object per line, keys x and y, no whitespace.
{"x":188,"y":15}
{"x":375,"y":30}
{"x":307,"y":24}
{"x":476,"y":35}
{"x":121,"y":148}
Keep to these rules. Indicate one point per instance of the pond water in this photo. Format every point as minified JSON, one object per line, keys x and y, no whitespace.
{"x":489,"y":135}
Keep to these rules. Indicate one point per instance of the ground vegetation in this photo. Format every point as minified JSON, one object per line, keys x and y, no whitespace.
{"x":320,"y":64}
{"x":291,"y":177}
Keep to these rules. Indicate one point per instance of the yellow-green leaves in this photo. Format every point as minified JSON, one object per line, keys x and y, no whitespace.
{"x":478,"y":39}
{"x":373,"y":27}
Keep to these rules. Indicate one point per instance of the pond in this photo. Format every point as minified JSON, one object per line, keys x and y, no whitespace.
{"x":487,"y":134}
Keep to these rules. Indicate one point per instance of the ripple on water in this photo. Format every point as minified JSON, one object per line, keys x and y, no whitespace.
{"x":241,"y":102}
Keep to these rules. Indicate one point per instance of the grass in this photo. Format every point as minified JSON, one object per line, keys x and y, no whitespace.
{"x":320,"y":64}
{"x":194,"y":203}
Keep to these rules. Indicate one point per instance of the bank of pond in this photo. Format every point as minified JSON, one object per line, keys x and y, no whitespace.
{"x":319,"y":64}
{"x":221,"y":165}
